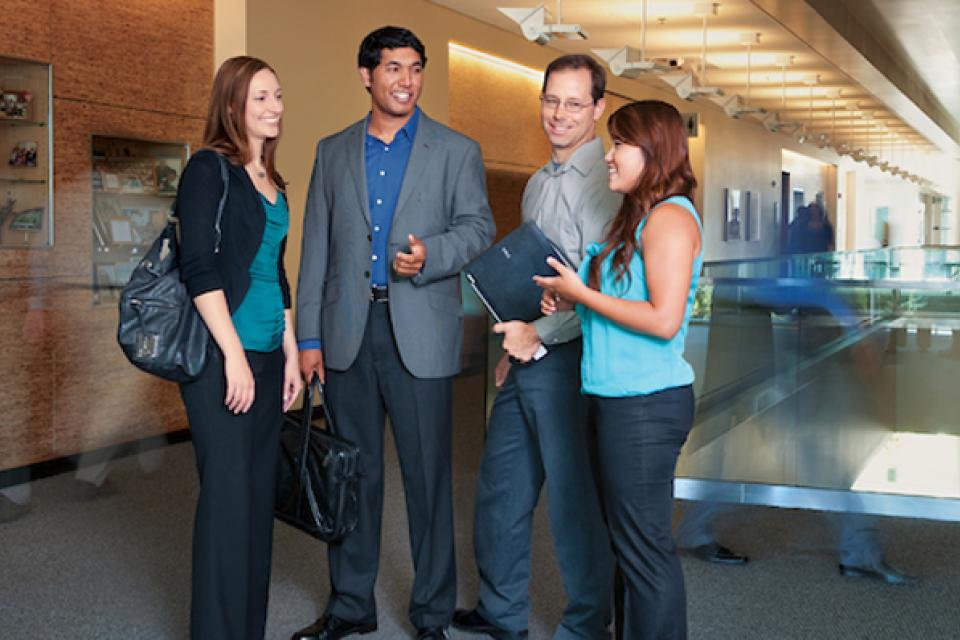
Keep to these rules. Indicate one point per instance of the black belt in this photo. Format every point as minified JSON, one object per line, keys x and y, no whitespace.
{"x":378,"y":294}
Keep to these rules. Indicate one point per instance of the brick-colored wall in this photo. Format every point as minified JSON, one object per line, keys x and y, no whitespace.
{"x":126,"y":68}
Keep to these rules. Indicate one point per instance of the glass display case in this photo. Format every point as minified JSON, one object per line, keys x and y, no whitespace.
{"x":134,"y":187}
{"x":26,"y":199}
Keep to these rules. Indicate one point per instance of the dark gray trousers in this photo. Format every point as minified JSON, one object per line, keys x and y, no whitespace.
{"x":233,"y":530}
{"x":639,"y":440}
{"x":539,"y":430}
{"x":375,"y":386}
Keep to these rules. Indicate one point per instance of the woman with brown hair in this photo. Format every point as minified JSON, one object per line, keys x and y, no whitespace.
{"x":634,"y":295}
{"x":236,"y":277}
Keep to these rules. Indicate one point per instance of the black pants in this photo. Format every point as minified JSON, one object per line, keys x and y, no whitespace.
{"x":376,"y":385}
{"x":233,"y":531}
{"x":639,"y":440}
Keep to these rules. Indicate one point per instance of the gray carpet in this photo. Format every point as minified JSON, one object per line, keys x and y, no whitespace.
{"x":118,"y":566}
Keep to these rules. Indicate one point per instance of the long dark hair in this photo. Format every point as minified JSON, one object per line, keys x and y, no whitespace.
{"x":226,"y":130}
{"x":657,"y":128}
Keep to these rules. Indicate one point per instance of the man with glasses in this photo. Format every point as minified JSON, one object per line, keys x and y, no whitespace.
{"x":538,"y":426}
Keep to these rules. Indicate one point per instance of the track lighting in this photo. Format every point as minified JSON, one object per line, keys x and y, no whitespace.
{"x":534,"y":26}
{"x":629,"y":62}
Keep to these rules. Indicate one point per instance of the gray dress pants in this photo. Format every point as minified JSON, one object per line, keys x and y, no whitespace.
{"x":377,"y":385}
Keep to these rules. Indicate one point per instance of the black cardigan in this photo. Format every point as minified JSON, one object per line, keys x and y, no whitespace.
{"x":242,"y":225}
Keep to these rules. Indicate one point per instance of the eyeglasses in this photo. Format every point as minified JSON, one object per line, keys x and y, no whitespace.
{"x":570,"y":106}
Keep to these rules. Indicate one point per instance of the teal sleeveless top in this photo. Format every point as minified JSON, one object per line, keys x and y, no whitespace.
{"x":617,"y":361}
{"x":259,"y":318}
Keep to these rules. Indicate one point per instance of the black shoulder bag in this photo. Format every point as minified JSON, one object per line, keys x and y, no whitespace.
{"x":159,"y":330}
{"x":318,"y":482}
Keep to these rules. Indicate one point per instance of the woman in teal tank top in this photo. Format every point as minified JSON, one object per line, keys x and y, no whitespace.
{"x":235,"y":408}
{"x":634,"y":295}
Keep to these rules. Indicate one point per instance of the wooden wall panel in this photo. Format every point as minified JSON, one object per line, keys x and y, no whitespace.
{"x":505,"y":191}
{"x":25,"y":29}
{"x":123,"y":68}
{"x":135,"y":53}
{"x":25,"y":355}
{"x":100,"y":398}
{"x":500,"y":109}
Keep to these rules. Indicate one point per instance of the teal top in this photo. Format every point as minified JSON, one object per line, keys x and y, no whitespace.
{"x":259,"y":318}
{"x":617,"y":361}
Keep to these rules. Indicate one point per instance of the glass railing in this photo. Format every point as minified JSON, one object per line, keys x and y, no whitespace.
{"x":829,"y":380}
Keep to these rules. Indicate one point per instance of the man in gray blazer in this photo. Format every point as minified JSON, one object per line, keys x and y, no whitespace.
{"x":397,"y":206}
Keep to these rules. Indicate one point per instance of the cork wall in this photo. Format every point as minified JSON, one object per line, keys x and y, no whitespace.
{"x":125,"y":68}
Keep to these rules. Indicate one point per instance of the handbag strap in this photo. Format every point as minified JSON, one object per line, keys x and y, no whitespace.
{"x":305,"y":426}
{"x":223,"y":200}
{"x":225,"y":177}
{"x":308,"y":404}
{"x":306,"y":419}
{"x":328,"y":418}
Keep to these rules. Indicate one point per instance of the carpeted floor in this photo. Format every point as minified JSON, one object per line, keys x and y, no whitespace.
{"x":118,"y":566}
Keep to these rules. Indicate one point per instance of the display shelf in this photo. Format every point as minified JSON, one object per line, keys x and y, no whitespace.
{"x":26,"y":141}
{"x":23,"y":181}
{"x":134,"y":185}
{"x":9,"y":122}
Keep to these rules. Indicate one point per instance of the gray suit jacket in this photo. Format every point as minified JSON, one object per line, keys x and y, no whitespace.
{"x":443,"y":201}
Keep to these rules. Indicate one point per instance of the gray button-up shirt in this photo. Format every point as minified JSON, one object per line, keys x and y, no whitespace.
{"x":573,"y":205}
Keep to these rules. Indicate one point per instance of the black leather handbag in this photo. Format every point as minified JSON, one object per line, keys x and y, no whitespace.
{"x":318,"y":484}
{"x":159,"y":329}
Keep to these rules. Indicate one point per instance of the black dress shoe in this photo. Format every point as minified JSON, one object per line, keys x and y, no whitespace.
{"x":433,"y":633}
{"x":471,"y":621}
{"x":715,"y":552}
{"x":330,"y":627}
{"x":878,"y":571}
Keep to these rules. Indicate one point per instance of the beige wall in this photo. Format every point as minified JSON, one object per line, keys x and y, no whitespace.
{"x":313,"y":47}
{"x":230,"y":29}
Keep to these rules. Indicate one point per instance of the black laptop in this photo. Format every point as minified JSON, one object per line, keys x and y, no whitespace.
{"x":502,"y":275}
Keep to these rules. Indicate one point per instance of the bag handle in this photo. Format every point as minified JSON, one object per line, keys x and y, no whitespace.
{"x":225,"y":177}
{"x":306,"y":418}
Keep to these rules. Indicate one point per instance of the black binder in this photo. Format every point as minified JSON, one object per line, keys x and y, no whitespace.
{"x":502,"y":276}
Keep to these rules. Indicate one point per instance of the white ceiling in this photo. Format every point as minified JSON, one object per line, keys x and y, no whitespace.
{"x":857,"y":116}
{"x":927,"y":32}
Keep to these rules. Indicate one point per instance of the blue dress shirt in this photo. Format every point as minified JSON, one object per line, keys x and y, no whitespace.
{"x":384,"y":164}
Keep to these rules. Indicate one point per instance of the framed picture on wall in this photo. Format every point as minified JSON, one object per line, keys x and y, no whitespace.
{"x":732,"y":214}
{"x":753,"y":216}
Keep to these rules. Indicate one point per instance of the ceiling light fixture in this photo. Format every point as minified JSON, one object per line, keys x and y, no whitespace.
{"x":534,"y":26}
{"x":704,"y":10}
{"x":630,"y":62}
{"x":685,"y":84}
{"x":783,"y":61}
{"x":735,"y":106}
{"x":807,"y":132}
